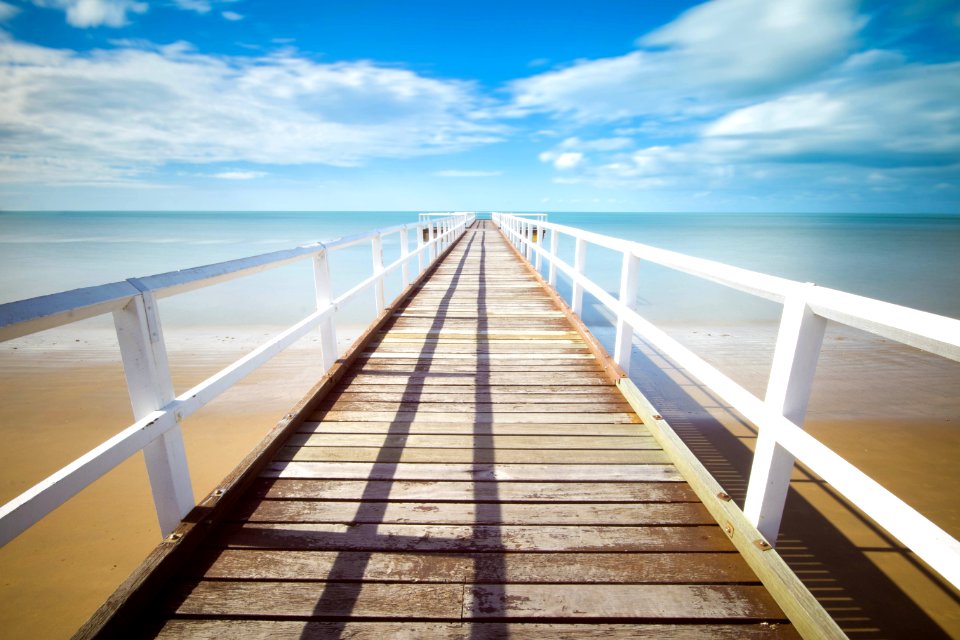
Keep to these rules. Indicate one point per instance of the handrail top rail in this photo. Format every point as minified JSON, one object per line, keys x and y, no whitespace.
{"x":538,"y":216}
{"x":31,"y":315}
{"x":921,"y":329}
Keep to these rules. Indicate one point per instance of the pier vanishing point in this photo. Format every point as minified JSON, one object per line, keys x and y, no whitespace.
{"x":476,"y":465}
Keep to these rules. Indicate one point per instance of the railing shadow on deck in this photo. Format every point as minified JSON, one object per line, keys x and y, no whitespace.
{"x":860,"y":597}
{"x":489,"y":568}
{"x":343,"y":594}
{"x":342,"y":591}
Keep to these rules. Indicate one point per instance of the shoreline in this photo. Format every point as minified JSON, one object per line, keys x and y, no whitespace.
{"x":65,"y":397}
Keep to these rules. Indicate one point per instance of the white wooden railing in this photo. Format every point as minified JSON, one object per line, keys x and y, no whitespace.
{"x":780,"y":415}
{"x":157,"y":411}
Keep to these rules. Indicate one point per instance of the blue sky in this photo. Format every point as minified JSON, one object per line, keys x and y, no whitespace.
{"x":727,"y":105}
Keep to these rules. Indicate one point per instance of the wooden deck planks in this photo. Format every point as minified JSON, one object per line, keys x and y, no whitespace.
{"x":519,"y":568}
{"x":475,"y":474}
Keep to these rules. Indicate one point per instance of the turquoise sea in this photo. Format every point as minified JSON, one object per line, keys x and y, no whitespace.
{"x":913,"y":260}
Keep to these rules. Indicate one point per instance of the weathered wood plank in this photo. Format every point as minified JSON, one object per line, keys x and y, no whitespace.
{"x":480,"y":369}
{"x":488,"y":324}
{"x":412,"y":537}
{"x":486,"y":492}
{"x":532,"y":342}
{"x":532,"y":358}
{"x":474,"y":309}
{"x":371,"y":372}
{"x":512,"y":334}
{"x":453,"y":314}
{"x":286,"y":599}
{"x":533,"y":406}
{"x":483,"y":393}
{"x":611,"y":602}
{"x":519,"y":380}
{"x":479,"y":568}
{"x":537,"y":442}
{"x":479,"y":349}
{"x":219,"y":629}
{"x":468,"y":428}
{"x":470,"y":472}
{"x":445,"y":601}
{"x":304,"y":511}
{"x":399,"y":417}
{"x":395,"y":455}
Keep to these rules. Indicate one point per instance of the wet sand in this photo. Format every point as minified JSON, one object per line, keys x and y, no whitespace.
{"x":62,"y":397}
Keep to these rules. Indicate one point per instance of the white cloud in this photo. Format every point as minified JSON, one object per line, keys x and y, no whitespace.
{"x":233,"y":16}
{"x":755,"y":96}
{"x":198,"y":6}
{"x":905,"y":116}
{"x":562,"y":160}
{"x":720,"y":52}
{"x":95,"y":13}
{"x":134,"y":109}
{"x":599,"y":144}
{"x":7,"y":11}
{"x":239,"y":175}
{"x":458,"y":173}
{"x":753,"y":45}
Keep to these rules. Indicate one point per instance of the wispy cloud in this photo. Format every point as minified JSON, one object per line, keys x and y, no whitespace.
{"x":716,"y":54}
{"x":233,"y":16}
{"x":239,"y":175}
{"x":904,"y":116}
{"x":458,"y":173}
{"x":139,"y":107}
{"x":563,"y":160}
{"x":7,"y":11}
{"x":700,"y":107}
{"x":95,"y":13}
{"x":198,"y":6}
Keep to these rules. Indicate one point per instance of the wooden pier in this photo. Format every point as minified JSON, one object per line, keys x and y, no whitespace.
{"x":468,"y":470}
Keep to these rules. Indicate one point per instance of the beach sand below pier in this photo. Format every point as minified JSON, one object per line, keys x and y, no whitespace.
{"x":890,"y":410}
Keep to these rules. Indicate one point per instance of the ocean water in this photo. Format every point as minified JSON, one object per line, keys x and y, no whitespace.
{"x":913,"y":260}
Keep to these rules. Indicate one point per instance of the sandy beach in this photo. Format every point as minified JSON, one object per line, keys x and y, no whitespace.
{"x":63,"y":395}
{"x":891,"y":410}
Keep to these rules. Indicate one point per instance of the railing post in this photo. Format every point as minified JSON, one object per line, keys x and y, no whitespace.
{"x":539,"y":244}
{"x":629,"y":279}
{"x":788,"y":392}
{"x":147,"y":371}
{"x":529,"y":236}
{"x":404,"y":253}
{"x":420,"y":257}
{"x":377,"y":244}
{"x":579,"y":263}
{"x":552,"y":268}
{"x":433,"y":244}
{"x":324,"y":291}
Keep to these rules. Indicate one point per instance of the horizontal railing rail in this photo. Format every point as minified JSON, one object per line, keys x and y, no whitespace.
{"x":779,"y":416}
{"x":157,"y":411}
